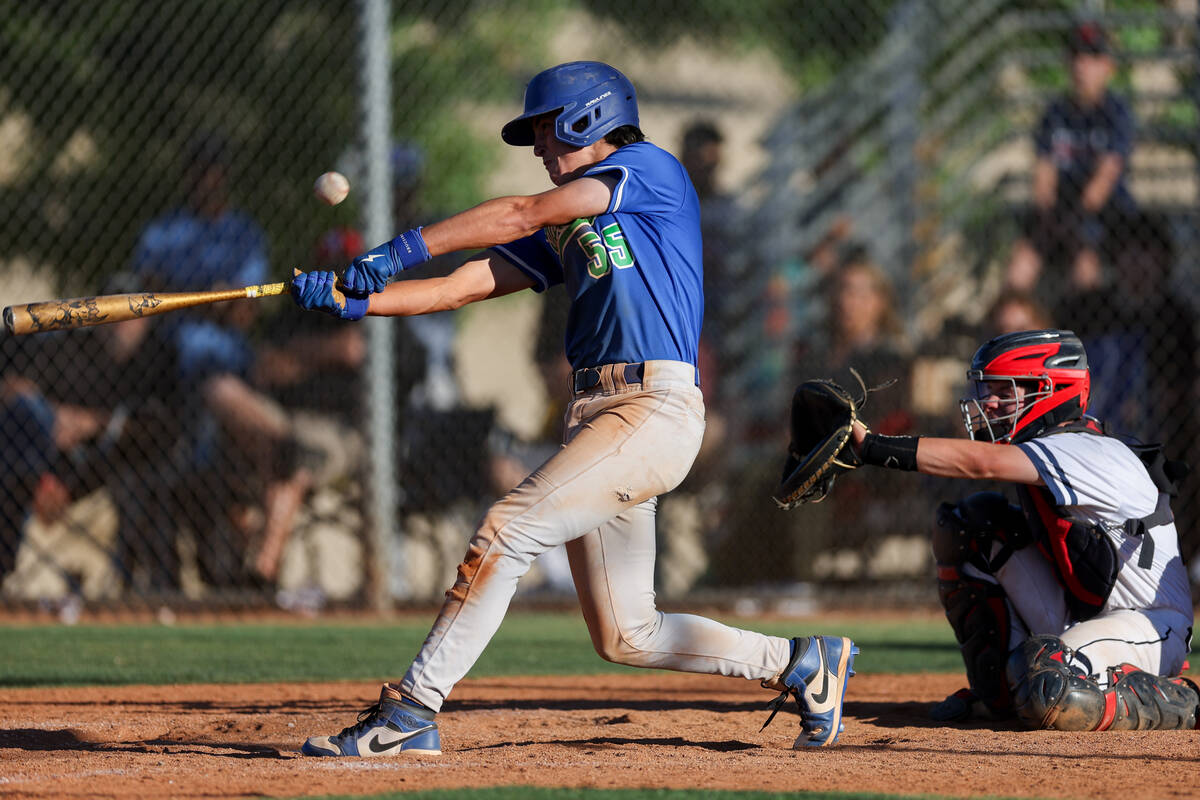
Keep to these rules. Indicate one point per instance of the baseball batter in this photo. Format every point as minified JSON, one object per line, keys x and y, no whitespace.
{"x":621,"y":230}
{"x":1073,"y":610}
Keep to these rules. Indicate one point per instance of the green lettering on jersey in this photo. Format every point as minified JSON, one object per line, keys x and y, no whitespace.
{"x":601,"y":251}
{"x":618,"y":251}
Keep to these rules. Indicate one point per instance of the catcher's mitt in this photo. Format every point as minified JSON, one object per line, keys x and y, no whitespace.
{"x":823,"y":414}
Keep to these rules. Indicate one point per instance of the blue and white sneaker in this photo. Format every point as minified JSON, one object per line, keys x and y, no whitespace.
{"x":816,"y":676}
{"x":389,"y":728}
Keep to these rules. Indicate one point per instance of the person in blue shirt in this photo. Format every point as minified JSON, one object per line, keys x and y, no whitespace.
{"x":237,"y":437}
{"x":621,"y":230}
{"x":1080,"y":196}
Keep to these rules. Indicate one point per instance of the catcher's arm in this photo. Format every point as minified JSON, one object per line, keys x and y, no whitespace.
{"x":944,"y":458}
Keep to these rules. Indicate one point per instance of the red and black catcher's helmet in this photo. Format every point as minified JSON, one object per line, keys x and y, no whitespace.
{"x":1049,"y":365}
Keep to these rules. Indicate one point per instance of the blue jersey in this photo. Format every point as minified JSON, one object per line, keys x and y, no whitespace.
{"x":634,"y":274}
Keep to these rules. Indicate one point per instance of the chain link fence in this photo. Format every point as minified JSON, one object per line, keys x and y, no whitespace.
{"x":874,"y":185}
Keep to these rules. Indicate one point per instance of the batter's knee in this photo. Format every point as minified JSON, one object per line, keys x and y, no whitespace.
{"x":627,"y":644}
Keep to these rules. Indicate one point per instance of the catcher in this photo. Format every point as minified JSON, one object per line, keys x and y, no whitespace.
{"x":1072,"y":609}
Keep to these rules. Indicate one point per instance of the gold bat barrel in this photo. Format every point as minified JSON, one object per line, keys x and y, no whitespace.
{"x":82,"y":312}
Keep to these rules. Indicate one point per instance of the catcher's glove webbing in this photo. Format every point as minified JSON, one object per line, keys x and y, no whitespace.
{"x":823,"y":415}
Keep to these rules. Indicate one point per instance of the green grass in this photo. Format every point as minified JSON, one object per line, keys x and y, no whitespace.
{"x":527,"y":644}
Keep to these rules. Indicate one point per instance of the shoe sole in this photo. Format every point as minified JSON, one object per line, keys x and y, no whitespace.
{"x":845,"y":671}
{"x":318,"y":752}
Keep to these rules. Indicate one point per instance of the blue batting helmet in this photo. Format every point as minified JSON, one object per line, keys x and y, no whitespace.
{"x":591,"y":99}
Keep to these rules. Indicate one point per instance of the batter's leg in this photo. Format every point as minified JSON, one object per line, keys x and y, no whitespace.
{"x":613,"y":568}
{"x":623,"y":450}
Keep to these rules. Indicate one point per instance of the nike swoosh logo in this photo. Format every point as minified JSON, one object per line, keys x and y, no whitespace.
{"x":820,"y":697}
{"x":377,"y":746}
{"x":370,"y":258}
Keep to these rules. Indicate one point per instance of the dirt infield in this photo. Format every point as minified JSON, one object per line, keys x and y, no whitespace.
{"x":644,"y":730}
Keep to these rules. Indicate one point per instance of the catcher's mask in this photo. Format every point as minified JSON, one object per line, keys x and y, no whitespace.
{"x":589,"y":98}
{"x":1025,"y":383}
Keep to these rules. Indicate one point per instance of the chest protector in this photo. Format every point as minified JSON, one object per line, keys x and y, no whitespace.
{"x":1083,"y":554}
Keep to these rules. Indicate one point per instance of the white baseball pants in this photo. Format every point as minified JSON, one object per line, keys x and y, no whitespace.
{"x":1154,"y":640}
{"x":623,"y":445}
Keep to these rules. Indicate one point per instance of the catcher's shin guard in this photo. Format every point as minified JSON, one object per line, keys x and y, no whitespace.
{"x":977,"y":611}
{"x":1049,"y":692}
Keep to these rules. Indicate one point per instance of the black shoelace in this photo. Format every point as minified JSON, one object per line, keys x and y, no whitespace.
{"x":778,"y":703}
{"x":365,"y":718}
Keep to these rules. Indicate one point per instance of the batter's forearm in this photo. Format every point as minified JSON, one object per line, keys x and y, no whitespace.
{"x":498,"y":221}
{"x":506,"y":219}
{"x":472,"y":281}
{"x":413,"y":298}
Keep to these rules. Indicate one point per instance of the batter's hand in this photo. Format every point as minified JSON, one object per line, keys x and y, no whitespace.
{"x":370,"y":272}
{"x":317,"y":291}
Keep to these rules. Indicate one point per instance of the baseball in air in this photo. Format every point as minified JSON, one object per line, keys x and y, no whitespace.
{"x":331,"y":188}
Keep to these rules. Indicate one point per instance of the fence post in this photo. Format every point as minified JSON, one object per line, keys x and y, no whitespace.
{"x":375,"y":99}
{"x":901,"y":131}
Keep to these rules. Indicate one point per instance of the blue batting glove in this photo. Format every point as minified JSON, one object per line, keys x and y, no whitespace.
{"x":371,"y":271}
{"x":317,"y":291}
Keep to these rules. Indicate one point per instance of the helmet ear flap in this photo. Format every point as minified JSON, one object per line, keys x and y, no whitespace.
{"x":585,"y":121}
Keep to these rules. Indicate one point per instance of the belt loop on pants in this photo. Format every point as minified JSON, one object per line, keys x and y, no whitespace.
{"x":588,"y":378}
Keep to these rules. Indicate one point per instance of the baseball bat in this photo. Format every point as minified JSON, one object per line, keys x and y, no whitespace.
{"x":82,"y":312}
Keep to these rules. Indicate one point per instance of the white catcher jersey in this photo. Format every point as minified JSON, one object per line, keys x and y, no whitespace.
{"x":1097,"y":479}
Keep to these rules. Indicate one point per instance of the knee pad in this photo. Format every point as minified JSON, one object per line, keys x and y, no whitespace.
{"x":1050,"y":692}
{"x":964,"y":532}
{"x":978,"y":613}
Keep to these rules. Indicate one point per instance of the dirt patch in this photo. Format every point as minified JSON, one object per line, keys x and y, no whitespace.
{"x":644,"y":730}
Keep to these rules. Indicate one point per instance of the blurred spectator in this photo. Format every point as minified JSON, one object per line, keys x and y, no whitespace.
{"x":101,"y":414}
{"x":1141,"y":341}
{"x":690,"y":514}
{"x":794,"y":318}
{"x":27,"y":440}
{"x":315,"y":363}
{"x":206,"y":242}
{"x":863,"y":327}
{"x":1164,"y":325}
{"x":314,"y":368}
{"x":864,"y":332}
{"x":1015,"y":310}
{"x":721,"y":226}
{"x":249,"y":482}
{"x":1140,"y":337}
{"x":1083,"y":144}
{"x":701,"y":156}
